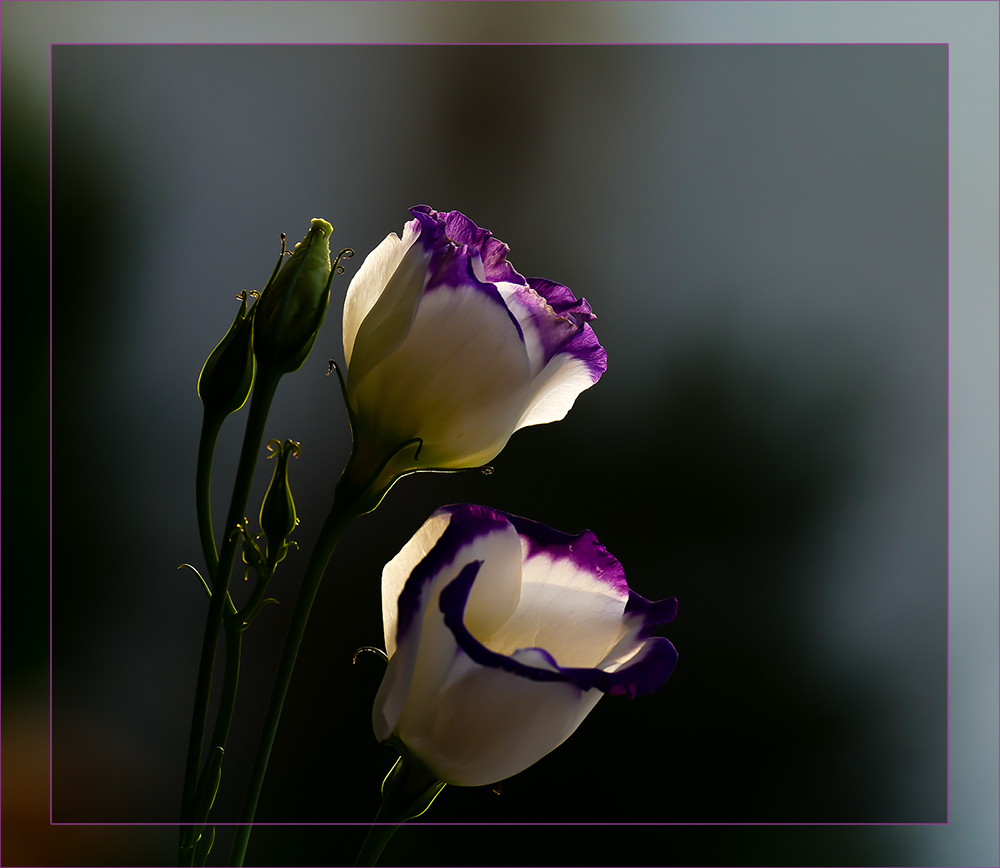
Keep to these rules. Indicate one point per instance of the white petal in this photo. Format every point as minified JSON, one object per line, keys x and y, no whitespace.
{"x":510,"y":293}
{"x":555,"y":390}
{"x":487,"y":724}
{"x":396,"y":572}
{"x":367,"y":284}
{"x":382,"y":299}
{"x":564,"y":609}
{"x":424,"y":653}
{"x":459,"y":381}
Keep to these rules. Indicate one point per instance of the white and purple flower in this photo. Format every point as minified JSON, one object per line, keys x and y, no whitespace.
{"x":502,"y":635}
{"x":449,"y":350}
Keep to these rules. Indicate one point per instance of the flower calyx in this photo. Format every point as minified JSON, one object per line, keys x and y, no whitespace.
{"x":410,"y":788}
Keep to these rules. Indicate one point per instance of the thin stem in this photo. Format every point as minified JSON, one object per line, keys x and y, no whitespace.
{"x":263,"y":393}
{"x":382,"y":829}
{"x":407,"y":791}
{"x":203,"y":490}
{"x":257,"y":594}
{"x":230,"y":683}
{"x":342,"y":513}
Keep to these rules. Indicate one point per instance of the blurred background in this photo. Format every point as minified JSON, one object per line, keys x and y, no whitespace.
{"x":763,"y":232}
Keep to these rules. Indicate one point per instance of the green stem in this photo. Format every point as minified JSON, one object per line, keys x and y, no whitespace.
{"x":257,"y":594}
{"x":382,"y":829}
{"x":210,"y":428}
{"x":230,"y":682}
{"x":263,"y":393}
{"x":408,"y":790}
{"x":342,"y":513}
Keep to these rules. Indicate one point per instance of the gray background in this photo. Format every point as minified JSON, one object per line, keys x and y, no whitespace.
{"x":762,"y":232}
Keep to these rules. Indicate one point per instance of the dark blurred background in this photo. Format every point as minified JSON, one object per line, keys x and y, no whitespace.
{"x":763,"y":233}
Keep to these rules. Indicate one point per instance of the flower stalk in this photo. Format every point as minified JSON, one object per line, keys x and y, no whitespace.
{"x":407,"y":792}
{"x":352,"y":498}
{"x":342,"y":513}
{"x":274,"y":339}
{"x":260,"y":405}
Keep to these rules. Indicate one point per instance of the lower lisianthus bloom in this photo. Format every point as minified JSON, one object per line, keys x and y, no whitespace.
{"x":502,"y":635}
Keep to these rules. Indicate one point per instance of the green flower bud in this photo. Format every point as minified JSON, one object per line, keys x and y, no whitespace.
{"x":291,"y":309}
{"x":277,"y":514}
{"x":226,"y":378}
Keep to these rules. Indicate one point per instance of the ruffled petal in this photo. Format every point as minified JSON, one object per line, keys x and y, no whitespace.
{"x":566,"y":357}
{"x":635,"y":665}
{"x":490,"y":251}
{"x":645,"y":671}
{"x":548,"y":328}
{"x":573,"y":595}
{"x":640,"y":663}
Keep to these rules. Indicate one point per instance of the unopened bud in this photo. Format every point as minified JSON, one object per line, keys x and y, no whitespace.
{"x":292,"y":307}
{"x":277,"y":514}
{"x":226,"y":378}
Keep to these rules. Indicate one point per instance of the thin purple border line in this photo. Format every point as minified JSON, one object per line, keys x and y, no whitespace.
{"x":947,"y":46}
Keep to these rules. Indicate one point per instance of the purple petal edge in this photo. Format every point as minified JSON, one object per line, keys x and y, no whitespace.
{"x":454,"y":241}
{"x":467,"y":523}
{"x":582,"y":549}
{"x":651,"y":613}
{"x":451,"y":263}
{"x":460,"y":231}
{"x":569,"y":331}
{"x":647,"y":672}
{"x":562,"y":300}
{"x":585,"y":347}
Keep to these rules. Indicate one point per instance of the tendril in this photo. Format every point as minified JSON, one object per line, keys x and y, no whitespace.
{"x":344,"y":254}
{"x":371,"y":648}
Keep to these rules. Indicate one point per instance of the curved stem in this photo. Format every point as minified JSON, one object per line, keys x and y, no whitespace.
{"x":341,"y":515}
{"x":263,"y":393}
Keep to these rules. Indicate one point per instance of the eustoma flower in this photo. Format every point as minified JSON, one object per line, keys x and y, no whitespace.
{"x":450,"y":350}
{"x":502,"y":635}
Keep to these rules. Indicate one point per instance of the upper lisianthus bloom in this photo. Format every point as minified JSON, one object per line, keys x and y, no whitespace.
{"x":449,"y":350}
{"x":502,"y":635}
